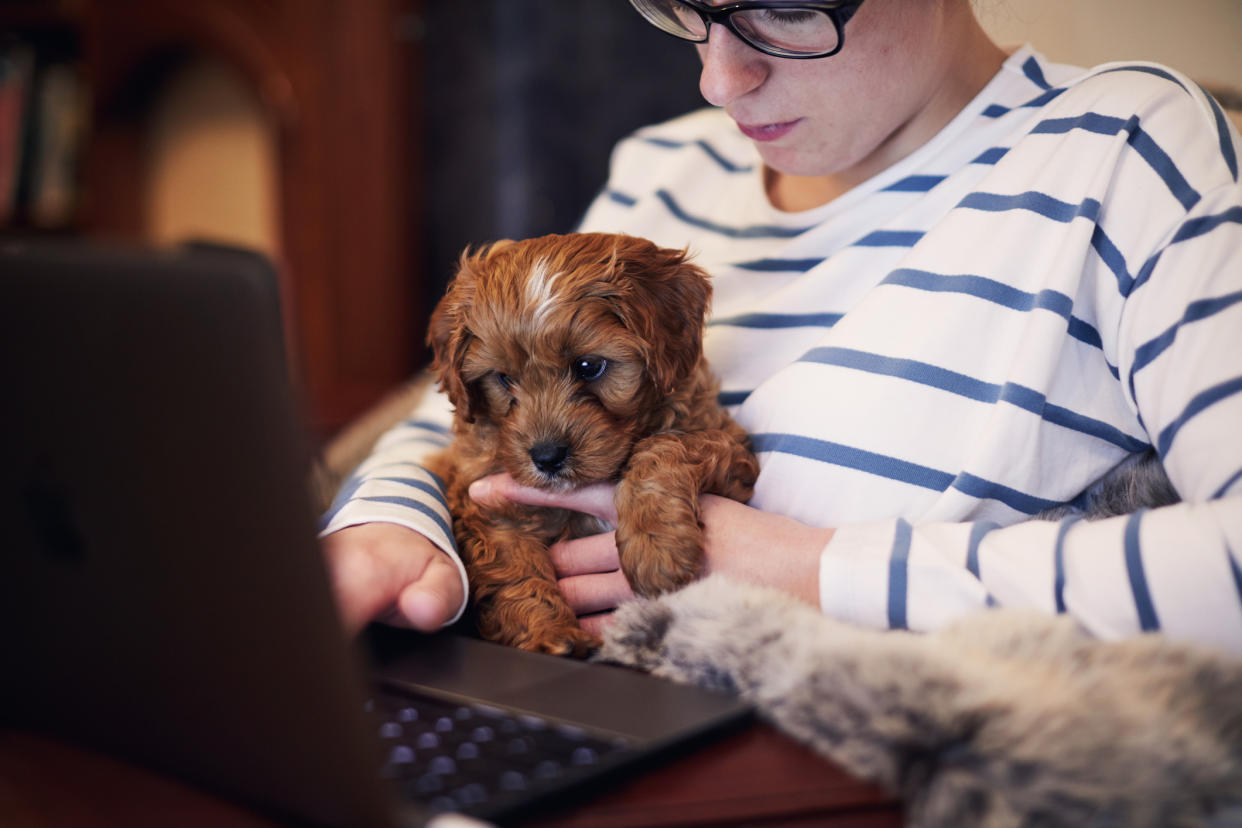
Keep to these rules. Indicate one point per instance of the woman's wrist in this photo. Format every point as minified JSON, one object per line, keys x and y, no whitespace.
{"x":763,"y":548}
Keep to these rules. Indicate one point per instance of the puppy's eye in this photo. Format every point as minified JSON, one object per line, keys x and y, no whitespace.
{"x":589,"y":368}
{"x":506,"y":381}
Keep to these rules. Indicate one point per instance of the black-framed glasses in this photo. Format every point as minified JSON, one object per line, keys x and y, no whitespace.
{"x":799,"y":29}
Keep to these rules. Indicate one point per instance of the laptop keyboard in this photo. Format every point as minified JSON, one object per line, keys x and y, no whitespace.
{"x":477,"y":759}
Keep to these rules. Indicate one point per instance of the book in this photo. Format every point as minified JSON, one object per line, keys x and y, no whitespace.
{"x":57,"y":117}
{"x":16,"y":74}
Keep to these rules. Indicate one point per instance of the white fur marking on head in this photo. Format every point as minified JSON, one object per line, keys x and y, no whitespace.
{"x":540,"y":286}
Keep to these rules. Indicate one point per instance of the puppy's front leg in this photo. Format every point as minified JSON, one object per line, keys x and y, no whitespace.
{"x":516,"y":597}
{"x":659,"y":536}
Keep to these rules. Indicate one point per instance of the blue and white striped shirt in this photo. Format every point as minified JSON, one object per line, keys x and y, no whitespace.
{"x":1050,"y":284}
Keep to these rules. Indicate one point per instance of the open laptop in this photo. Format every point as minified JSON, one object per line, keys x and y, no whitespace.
{"x":162,"y":596}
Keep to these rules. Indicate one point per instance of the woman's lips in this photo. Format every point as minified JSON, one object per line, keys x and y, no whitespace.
{"x":767,"y":132}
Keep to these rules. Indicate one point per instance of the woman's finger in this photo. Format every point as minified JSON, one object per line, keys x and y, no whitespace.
{"x":431,"y":601}
{"x":583,"y":556}
{"x":595,"y":500}
{"x":588,"y":594}
{"x":596,"y":624}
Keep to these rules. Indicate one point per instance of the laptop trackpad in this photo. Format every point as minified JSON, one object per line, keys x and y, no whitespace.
{"x":597,"y":696}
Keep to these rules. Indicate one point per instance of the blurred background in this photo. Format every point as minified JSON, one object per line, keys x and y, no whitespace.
{"x":363,"y":143}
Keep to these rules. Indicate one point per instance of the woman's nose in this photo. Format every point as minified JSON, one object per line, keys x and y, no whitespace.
{"x":731,"y":69}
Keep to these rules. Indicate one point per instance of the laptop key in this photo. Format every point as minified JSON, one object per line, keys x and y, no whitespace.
{"x":442,"y":804}
{"x":474,"y":793}
{"x":548,"y":769}
{"x":428,"y":783}
{"x":401,"y":755}
{"x":513,"y":781}
{"x":443,"y":766}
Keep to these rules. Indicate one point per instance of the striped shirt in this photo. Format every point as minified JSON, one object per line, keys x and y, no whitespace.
{"x":1050,"y":284}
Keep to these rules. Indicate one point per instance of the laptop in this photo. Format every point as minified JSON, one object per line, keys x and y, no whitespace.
{"x":163,"y":598}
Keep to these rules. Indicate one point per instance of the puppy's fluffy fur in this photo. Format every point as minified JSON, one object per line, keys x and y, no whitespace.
{"x":571,"y":360}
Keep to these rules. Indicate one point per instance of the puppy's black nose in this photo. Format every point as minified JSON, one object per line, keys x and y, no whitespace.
{"x":549,"y":457}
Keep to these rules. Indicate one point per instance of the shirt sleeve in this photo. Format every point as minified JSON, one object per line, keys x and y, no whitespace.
{"x":392,"y":486}
{"x":1175,"y":570}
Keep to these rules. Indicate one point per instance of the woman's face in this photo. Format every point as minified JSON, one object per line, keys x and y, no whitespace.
{"x":829,"y":115}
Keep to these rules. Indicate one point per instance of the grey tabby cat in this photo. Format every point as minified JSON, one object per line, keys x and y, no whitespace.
{"x":1006,"y":718}
{"x":1137,"y":482}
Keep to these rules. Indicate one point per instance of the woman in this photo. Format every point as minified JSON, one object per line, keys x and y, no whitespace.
{"x":953,"y":287}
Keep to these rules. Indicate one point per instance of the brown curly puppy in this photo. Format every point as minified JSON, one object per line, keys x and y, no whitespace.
{"x":571,"y":360}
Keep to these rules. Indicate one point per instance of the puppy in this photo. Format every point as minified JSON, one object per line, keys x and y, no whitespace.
{"x":571,"y":360}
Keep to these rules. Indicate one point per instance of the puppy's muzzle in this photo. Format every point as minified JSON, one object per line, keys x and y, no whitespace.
{"x":549,"y":457}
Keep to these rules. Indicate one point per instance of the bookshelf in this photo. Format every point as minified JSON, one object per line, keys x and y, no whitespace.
{"x":337,"y":78}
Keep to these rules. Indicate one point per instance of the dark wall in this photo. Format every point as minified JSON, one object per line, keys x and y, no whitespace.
{"x":525,"y":100}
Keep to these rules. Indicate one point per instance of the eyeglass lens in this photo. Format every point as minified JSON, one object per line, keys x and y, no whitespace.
{"x":803,"y":31}
{"x":796,"y":31}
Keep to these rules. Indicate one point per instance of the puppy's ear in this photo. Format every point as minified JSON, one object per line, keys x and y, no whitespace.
{"x":449,"y":335}
{"x":449,"y":340}
{"x":664,"y":301}
{"x":495,"y":247}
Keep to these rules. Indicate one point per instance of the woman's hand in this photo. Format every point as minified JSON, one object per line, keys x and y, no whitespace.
{"x":745,"y":543}
{"x":386,"y":572}
{"x":588,"y":569}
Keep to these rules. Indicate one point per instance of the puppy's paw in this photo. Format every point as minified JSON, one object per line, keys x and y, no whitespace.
{"x":659,"y":561}
{"x":561,"y":640}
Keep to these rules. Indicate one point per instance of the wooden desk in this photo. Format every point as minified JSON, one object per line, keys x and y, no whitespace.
{"x":755,"y":776}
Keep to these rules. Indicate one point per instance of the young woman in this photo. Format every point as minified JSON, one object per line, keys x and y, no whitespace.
{"x":953,"y":288}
